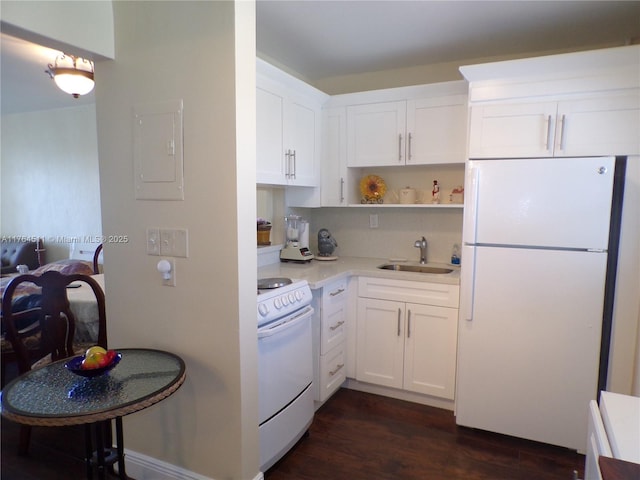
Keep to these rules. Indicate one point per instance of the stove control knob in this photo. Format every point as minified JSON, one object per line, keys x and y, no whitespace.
{"x":285,"y":300}
{"x":298,"y":295}
{"x":277,"y":303}
{"x":263,"y":309}
{"x":292,"y":298}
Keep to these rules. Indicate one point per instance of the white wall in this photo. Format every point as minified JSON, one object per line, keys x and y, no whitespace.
{"x":189,"y":51}
{"x":49,"y":174}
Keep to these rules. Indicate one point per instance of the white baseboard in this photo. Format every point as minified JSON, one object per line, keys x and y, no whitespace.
{"x":399,"y":394}
{"x":143,"y":467}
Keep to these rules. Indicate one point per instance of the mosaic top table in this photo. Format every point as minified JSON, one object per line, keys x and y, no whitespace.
{"x":54,"y":396}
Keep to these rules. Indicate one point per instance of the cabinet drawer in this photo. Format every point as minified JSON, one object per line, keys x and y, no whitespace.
{"x":332,"y":372}
{"x":438,"y":294}
{"x":334,"y":315}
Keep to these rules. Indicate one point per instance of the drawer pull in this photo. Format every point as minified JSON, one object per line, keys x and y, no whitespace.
{"x":338,"y":368}
{"x":337,"y":325}
{"x":337,"y":292}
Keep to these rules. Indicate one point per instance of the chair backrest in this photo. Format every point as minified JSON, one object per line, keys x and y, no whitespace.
{"x":96,"y":260}
{"x":87,"y":252}
{"x":55,"y":319}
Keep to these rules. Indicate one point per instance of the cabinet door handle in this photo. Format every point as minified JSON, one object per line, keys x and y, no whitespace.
{"x":548,"y":139}
{"x":293,"y":157}
{"x":399,"y":315}
{"x":409,"y":149}
{"x":341,"y":190}
{"x":562,"y":121}
{"x":287,"y":165}
{"x":338,"y":368}
{"x":337,"y":325}
{"x":336,"y":292}
{"x":409,"y":324}
{"x":399,"y":147}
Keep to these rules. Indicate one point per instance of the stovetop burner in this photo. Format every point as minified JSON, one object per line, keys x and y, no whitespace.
{"x":274,"y":282}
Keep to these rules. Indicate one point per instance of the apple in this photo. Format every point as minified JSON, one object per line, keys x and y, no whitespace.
{"x":89,"y":363}
{"x":97,"y":357}
{"x":95,"y":349}
{"x":111,"y":354}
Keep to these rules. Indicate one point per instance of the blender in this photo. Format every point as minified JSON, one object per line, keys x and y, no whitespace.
{"x":294,"y":251}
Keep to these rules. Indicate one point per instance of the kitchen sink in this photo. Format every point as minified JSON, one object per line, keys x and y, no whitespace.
{"x":414,"y":268}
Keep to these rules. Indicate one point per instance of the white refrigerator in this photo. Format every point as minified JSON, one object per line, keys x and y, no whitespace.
{"x":534,"y":263}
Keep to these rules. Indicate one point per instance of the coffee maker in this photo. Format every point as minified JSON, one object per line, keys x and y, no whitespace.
{"x":294,"y":251}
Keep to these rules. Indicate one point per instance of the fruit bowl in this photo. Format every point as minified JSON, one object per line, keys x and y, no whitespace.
{"x":74,"y":365}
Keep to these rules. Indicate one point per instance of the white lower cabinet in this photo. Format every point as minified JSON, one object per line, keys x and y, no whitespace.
{"x":329,"y":335}
{"x":407,"y":345}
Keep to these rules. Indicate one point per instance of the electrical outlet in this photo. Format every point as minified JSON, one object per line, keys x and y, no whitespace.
{"x":373,"y":220}
{"x":153,"y":241}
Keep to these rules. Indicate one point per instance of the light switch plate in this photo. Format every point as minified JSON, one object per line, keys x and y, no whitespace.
{"x":166,"y":242}
{"x":174,"y":242}
{"x":153,"y":241}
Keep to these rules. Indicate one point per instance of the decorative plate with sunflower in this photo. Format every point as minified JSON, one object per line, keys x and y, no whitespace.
{"x":372,"y":189}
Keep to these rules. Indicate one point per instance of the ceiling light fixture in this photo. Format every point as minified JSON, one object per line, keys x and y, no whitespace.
{"x":73,"y":75}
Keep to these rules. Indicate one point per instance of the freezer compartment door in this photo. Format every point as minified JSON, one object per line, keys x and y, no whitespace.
{"x":528,"y":357}
{"x":546,"y":202}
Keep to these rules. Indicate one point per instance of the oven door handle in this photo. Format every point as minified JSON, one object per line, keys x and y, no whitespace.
{"x":267,"y":331}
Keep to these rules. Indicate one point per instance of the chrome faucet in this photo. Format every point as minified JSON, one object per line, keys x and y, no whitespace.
{"x":422,"y":245}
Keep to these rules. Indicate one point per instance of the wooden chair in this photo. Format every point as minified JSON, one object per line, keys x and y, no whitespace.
{"x":96,"y":256}
{"x":55,"y":325}
{"x":28,"y":329}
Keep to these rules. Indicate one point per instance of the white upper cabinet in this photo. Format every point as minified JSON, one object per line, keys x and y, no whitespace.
{"x":421,"y":131}
{"x":599,"y":126}
{"x":437,"y":130}
{"x":512,"y":130}
{"x":334,"y":157}
{"x":270,"y":167}
{"x":593,"y":126}
{"x":376,"y":134}
{"x":576,"y":104}
{"x":288,"y":129}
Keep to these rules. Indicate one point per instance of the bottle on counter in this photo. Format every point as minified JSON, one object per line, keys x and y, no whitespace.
{"x":455,"y":254}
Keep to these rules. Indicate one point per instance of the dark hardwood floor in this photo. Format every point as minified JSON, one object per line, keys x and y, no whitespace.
{"x":361,"y":436}
{"x":354,"y":436}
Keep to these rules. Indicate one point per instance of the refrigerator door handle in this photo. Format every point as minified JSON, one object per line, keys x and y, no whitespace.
{"x":471,"y":207}
{"x":467,"y":283}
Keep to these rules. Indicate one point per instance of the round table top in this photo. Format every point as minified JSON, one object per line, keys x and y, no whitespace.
{"x":54,"y":396}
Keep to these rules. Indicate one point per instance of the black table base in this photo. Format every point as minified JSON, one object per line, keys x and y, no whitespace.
{"x":103,"y":458}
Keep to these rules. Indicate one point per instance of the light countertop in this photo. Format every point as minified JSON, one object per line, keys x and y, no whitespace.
{"x":319,"y":273}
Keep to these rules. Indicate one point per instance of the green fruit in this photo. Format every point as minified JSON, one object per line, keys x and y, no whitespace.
{"x":95,"y":349}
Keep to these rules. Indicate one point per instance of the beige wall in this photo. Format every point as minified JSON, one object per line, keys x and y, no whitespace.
{"x":187,"y":50}
{"x":75,"y":27}
{"x":49,"y":174}
{"x":417,"y":75}
{"x":624,"y":359}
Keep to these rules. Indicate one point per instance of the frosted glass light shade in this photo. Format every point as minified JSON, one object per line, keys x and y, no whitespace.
{"x":73,"y":75}
{"x":74,"y":82}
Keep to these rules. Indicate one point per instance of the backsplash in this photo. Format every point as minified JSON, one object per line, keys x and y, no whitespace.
{"x":398,"y":229}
